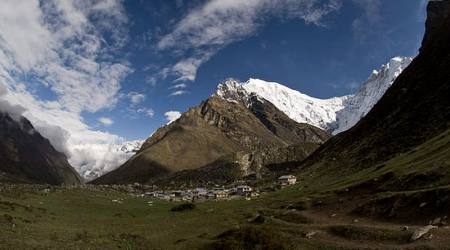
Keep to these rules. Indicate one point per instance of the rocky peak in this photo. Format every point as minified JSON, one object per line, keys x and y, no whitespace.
{"x":233,"y":91}
{"x":230,"y":89}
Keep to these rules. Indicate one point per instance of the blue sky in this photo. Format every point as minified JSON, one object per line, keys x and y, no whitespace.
{"x":91,"y":74}
{"x":322,"y":60}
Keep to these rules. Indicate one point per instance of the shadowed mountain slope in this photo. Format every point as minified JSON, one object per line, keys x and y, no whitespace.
{"x":26,"y":156}
{"x":413,"y":112}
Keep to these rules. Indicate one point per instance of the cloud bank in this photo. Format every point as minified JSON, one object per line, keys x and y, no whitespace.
{"x":64,"y":48}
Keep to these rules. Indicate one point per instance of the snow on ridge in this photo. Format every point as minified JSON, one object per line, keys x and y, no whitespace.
{"x":298,"y":106}
{"x":335,"y":114}
{"x":371,"y":91}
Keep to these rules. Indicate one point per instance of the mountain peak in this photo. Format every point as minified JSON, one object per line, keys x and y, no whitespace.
{"x":231,"y":90}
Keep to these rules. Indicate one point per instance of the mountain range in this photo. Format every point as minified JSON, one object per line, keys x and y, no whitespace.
{"x":257,"y":99}
{"x":272,"y":116}
{"x":335,"y":114}
{"x":261,"y":99}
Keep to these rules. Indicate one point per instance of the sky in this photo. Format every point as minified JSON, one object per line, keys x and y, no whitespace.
{"x":94,"y":74}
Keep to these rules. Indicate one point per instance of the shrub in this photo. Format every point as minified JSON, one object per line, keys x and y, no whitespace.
{"x":183,"y":207}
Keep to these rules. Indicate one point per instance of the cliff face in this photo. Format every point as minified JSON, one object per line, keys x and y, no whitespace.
{"x":27,"y":156}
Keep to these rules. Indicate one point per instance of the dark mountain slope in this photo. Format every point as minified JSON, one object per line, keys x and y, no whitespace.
{"x":26,"y":156}
{"x":216,"y":128}
{"x":413,"y":111}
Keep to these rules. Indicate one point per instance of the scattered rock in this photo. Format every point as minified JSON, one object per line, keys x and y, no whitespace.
{"x":355,"y":221}
{"x":423,"y":204}
{"x":405,"y":228}
{"x":318,"y":203}
{"x":333,"y":215}
{"x":310,"y":234}
{"x":436,"y":221}
{"x":418,"y":233}
{"x":260,"y":219}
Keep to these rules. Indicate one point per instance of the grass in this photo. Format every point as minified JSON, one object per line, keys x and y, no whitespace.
{"x":86,"y":219}
{"x":72,"y":218}
{"x":370,"y":234}
{"x":425,"y":166}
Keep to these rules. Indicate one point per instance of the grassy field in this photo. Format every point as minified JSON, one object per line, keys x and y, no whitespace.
{"x":84,"y":219}
{"x":91,"y":220}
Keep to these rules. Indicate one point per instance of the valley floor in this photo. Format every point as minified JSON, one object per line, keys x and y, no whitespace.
{"x":293,"y":218}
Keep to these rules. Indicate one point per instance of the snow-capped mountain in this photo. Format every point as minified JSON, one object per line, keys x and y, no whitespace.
{"x":359,"y":104}
{"x":298,"y":106}
{"x":131,"y":146}
{"x":335,"y":114}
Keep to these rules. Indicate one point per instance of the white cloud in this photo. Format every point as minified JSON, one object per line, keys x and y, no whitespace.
{"x":146,"y":111}
{"x":186,"y":69}
{"x":57,"y":43}
{"x":136,"y":109}
{"x":15,"y":111}
{"x":65,"y":46}
{"x":106,"y":121}
{"x":136,"y":98}
{"x":151,"y":81}
{"x":90,"y":151}
{"x":178,"y":92}
{"x":210,"y":27}
{"x":179,"y":86}
{"x":172,"y":116}
{"x":97,"y":159}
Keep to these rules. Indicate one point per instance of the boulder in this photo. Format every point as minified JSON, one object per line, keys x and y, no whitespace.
{"x":418,"y":233}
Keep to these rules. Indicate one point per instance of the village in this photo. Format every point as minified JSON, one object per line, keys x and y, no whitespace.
{"x":238,"y":190}
{"x":215,"y":193}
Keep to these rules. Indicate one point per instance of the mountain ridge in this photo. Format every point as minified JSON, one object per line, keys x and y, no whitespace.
{"x":335,"y":114}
